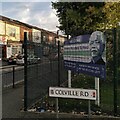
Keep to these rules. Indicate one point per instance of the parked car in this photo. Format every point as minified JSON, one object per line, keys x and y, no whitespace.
{"x":20,"y":59}
{"x":31,"y":59}
{"x":12,"y":60}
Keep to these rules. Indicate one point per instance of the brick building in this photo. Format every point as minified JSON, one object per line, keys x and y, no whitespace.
{"x":12,"y":36}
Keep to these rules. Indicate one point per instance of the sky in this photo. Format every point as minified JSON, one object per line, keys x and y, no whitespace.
{"x":38,"y":13}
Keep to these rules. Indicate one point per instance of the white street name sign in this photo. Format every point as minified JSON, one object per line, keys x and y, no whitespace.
{"x":72,"y":93}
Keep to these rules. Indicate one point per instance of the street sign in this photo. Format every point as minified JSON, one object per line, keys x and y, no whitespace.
{"x":88,"y":94}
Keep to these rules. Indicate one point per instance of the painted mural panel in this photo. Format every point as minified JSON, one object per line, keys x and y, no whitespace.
{"x":13,"y":32}
{"x":36,"y":35}
{"x":3,"y":40}
{"x":86,"y":54}
{"x":2,"y":28}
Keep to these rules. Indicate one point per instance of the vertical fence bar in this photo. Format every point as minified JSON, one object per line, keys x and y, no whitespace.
{"x":89,"y":109}
{"x":97,"y":102}
{"x":115,"y":71}
{"x":50,"y":65}
{"x":25,"y":71}
{"x":13,"y":76}
{"x":57,"y":108}
{"x":57,"y":101}
{"x":69,"y":78}
{"x":118,"y":57}
{"x":58,"y":63}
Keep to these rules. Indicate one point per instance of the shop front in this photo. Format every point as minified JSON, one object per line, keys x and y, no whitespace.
{"x":13,"y":48}
{"x":3,"y":43}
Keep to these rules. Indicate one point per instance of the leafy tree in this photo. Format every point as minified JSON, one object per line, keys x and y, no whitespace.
{"x":111,"y":11}
{"x":79,"y":17}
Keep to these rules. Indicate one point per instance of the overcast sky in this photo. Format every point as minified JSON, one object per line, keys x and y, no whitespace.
{"x":39,"y":14}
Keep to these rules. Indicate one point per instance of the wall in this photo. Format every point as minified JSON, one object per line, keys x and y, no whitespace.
{"x":3,"y":38}
{"x":23,"y":29}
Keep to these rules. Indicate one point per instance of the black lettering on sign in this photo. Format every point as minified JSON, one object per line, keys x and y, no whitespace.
{"x":93,"y":94}
{"x":52,"y":91}
{"x":60,"y":92}
{"x":81,"y":93}
{"x":56,"y":92}
{"x":86,"y":94}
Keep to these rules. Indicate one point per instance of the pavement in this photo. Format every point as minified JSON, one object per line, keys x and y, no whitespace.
{"x":12,"y":102}
{"x":13,"y":107}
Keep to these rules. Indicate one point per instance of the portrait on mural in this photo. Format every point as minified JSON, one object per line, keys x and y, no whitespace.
{"x":97,"y":47}
{"x":12,"y":31}
{"x":36,"y":36}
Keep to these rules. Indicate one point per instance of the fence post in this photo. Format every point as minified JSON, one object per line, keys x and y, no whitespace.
{"x":89,"y":109}
{"x":97,"y":87}
{"x":13,"y":76}
{"x":50,"y":65}
{"x":59,"y":63}
{"x":57,"y":100}
{"x":115,"y":58}
{"x":25,"y":71}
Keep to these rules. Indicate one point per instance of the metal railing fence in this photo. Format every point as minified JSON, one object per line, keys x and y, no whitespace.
{"x":11,"y":75}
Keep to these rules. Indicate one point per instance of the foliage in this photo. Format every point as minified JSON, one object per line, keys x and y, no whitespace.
{"x":83,"y":17}
{"x":111,"y":11}
{"x":79,"y":17}
{"x":106,"y":96}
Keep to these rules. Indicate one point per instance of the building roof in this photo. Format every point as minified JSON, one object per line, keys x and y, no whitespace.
{"x":6,"y":19}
